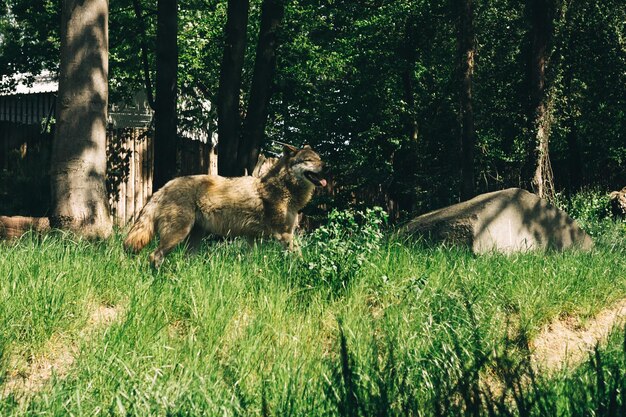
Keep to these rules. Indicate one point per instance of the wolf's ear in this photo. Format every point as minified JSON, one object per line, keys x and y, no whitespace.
{"x":307,"y":147}
{"x":289,"y":150}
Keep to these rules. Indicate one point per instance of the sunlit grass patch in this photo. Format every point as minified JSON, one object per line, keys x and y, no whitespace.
{"x":240,"y":330}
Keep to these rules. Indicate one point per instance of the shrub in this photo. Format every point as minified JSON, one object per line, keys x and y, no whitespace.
{"x":335,"y":252}
{"x":589,"y":207}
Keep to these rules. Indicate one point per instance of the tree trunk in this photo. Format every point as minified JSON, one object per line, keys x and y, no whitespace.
{"x":403,"y":159}
{"x":229,"y":120}
{"x":466,"y":53}
{"x":78,"y":160}
{"x":541,"y":12}
{"x":408,"y":52}
{"x":166,"y":87}
{"x":272,"y":12}
{"x":543,"y":179}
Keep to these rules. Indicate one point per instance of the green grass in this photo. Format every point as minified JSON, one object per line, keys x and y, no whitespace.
{"x":240,"y":331}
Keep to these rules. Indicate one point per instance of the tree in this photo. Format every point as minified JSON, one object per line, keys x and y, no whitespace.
{"x":272,"y":12}
{"x":355,"y":80}
{"x":29,"y":36}
{"x":466,"y":52}
{"x":165,"y":135}
{"x":78,"y":160}
{"x":229,"y":118}
{"x":541,"y":14}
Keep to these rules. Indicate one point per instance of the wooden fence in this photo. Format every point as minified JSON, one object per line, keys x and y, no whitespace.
{"x":30,"y":109}
{"x":130,"y":168}
{"x":130,"y":160}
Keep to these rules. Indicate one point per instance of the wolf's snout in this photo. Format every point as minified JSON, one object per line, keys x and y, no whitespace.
{"x":316,"y":178}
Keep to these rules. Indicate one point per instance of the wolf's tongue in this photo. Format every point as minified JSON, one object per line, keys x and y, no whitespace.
{"x":323,"y":182}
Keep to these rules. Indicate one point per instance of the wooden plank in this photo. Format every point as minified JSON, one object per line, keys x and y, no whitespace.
{"x":140,"y":182}
{"x":146,"y":162}
{"x":106,"y":147}
{"x":137,"y":195}
{"x":113,"y":200}
{"x":121,"y":199}
{"x":32,"y":112}
{"x":4,"y":156}
{"x":40,"y":112}
{"x":144,"y":166}
{"x":151,"y":163}
{"x":130,"y":189}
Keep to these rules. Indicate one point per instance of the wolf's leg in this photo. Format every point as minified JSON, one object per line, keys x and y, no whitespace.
{"x":251,"y":241}
{"x":286,"y":236}
{"x":171,"y":232}
{"x":195,"y":239}
{"x":286,"y":239}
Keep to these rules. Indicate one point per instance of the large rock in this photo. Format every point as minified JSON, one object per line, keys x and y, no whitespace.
{"x":504,"y":221}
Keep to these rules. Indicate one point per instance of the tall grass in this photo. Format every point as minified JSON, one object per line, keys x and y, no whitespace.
{"x":411,"y":330}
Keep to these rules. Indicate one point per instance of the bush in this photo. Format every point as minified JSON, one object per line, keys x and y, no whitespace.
{"x":336,"y":251}
{"x":589,"y":207}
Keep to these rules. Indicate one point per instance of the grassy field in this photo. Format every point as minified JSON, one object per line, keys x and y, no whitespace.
{"x":381,"y":327}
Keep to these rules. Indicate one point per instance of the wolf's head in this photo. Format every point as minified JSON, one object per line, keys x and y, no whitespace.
{"x":305,"y":165}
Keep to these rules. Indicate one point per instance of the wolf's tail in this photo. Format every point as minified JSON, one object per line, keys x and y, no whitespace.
{"x":142,"y":231}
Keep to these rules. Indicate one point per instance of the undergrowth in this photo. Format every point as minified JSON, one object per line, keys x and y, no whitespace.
{"x":360,"y":324}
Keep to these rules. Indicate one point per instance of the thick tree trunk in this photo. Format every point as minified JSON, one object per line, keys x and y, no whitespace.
{"x":78,"y":160}
{"x":541,"y":13}
{"x":466,"y":53}
{"x":409,"y":56}
{"x":166,"y":88}
{"x":403,"y":159}
{"x":272,"y":12}
{"x":229,"y":119}
{"x":543,"y":179}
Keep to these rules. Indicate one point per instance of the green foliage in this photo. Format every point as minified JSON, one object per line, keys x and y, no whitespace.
{"x":350,"y":241}
{"x":590,"y":208}
{"x":587,"y":205}
{"x":29,"y":36}
{"x":351,"y":79}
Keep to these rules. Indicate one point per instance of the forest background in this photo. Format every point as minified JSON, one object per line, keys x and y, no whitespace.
{"x":414,"y":104}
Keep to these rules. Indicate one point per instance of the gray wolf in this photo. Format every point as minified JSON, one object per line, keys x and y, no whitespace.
{"x":241,"y":206}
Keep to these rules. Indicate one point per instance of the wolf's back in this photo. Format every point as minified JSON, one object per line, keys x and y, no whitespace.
{"x":143,"y":230}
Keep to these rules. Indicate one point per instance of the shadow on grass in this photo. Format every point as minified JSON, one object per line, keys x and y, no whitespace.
{"x":466,"y":378}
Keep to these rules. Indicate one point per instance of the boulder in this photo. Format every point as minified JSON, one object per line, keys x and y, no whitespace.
{"x":505,"y":221}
